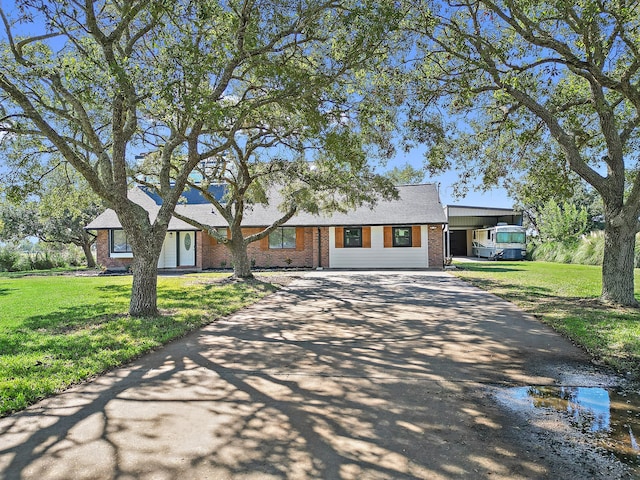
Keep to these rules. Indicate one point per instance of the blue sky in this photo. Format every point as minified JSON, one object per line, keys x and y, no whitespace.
{"x":497,"y":197}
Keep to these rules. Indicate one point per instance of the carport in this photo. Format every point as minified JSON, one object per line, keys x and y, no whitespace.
{"x":462,"y":220}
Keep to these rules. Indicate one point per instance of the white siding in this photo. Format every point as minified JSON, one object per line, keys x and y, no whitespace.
{"x":168,"y":255}
{"x":377,"y":256}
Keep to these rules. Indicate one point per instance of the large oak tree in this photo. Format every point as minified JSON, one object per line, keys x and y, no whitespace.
{"x":261,"y":171}
{"x":537,"y":88}
{"x":98,"y":81}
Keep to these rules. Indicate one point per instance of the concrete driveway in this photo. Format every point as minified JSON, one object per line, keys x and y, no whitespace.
{"x":367,"y":375}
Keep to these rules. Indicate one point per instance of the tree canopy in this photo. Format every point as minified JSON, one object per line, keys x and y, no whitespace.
{"x":265,"y":169}
{"x":405,"y":175}
{"x":54,"y":210}
{"x":506,"y":88}
{"x":98,"y":82}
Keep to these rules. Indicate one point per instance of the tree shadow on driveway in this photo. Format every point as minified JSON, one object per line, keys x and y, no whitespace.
{"x":337,"y":377}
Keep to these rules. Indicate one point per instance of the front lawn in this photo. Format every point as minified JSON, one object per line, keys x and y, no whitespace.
{"x":565,"y":297}
{"x":60,"y":330}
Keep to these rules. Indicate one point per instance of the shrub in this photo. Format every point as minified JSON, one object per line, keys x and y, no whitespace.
{"x":553,"y":251}
{"x":9,"y":258}
{"x":44,"y":257}
{"x":73,"y":256}
{"x":588,"y":250}
{"x":44,"y":261}
{"x":23,"y":264}
{"x":562,"y":223}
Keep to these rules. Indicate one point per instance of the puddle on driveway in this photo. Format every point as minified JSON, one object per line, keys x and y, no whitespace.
{"x":612,"y":416}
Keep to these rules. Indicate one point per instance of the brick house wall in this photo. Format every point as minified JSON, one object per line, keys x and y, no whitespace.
{"x":215,"y":255}
{"x":211,"y":254}
{"x":436,"y":246}
{"x":311,"y":252}
{"x":102,"y":254}
{"x":199,"y":249}
{"x":123,"y":263}
{"x":321,"y":252}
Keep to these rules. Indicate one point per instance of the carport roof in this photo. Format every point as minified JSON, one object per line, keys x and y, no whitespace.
{"x":466,"y":217}
{"x":467,"y":211}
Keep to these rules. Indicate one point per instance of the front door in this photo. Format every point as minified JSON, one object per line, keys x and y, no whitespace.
{"x":187,"y":249}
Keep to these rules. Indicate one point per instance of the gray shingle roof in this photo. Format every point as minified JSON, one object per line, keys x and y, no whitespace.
{"x":417,"y":204}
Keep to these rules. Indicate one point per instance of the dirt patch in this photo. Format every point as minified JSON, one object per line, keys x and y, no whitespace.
{"x":279,"y":278}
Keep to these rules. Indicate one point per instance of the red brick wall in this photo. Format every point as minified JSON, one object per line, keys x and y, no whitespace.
{"x":215,"y":255}
{"x":436,"y":246}
{"x":102,"y":254}
{"x":324,"y":247}
{"x":199,"y":249}
{"x":210,"y":254}
{"x":206,"y":250}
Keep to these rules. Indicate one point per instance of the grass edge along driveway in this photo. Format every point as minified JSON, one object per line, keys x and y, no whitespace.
{"x":566,"y":298}
{"x":56,"y":331}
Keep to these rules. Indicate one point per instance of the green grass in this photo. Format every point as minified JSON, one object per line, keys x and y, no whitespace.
{"x":566,"y":298}
{"x":59,"y":330}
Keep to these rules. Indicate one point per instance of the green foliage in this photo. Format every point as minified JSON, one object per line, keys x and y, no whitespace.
{"x":587,"y":250}
{"x":552,"y":251}
{"x":562,"y":223}
{"x":78,"y":328}
{"x":10,"y":257}
{"x":184,"y":81}
{"x":41,"y":257}
{"x":533,"y":91}
{"x":54,"y":210}
{"x":533,"y":192}
{"x":590,"y":249}
{"x":405,"y":175}
{"x":298,"y":166}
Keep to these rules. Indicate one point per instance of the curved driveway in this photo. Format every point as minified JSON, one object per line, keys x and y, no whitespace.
{"x":341,"y":375}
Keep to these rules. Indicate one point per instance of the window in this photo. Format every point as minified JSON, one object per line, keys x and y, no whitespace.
{"x":511,"y":237}
{"x":353,"y":237}
{"x":119,"y":242}
{"x":401,"y":236}
{"x":283,"y":237}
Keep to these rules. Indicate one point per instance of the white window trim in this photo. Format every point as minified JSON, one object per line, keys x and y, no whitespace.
{"x":117,"y":254}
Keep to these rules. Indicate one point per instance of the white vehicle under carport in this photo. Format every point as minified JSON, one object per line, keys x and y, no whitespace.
{"x":502,"y":242}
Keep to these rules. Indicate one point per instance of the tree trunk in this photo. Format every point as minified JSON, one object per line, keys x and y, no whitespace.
{"x":240,"y":259}
{"x":618,"y":266}
{"x":86,"y":248}
{"x":144,"y":291}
